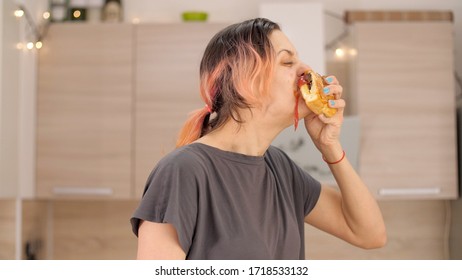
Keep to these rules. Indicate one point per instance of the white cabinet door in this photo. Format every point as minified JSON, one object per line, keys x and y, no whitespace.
{"x":85,"y":111}
{"x":405,"y":97}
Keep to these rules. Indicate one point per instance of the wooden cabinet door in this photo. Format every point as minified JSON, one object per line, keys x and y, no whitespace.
{"x":405,"y":97}
{"x":167,"y":88}
{"x":84,"y":138}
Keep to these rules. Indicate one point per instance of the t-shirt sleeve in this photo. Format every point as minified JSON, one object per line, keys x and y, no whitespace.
{"x":306,"y":188}
{"x":311,"y":188}
{"x":170,"y":196}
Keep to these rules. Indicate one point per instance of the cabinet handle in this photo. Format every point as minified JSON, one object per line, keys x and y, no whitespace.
{"x":82,"y":191}
{"x":409,"y":191}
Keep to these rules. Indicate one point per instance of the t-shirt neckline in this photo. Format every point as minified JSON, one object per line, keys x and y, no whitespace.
{"x":233,"y":156}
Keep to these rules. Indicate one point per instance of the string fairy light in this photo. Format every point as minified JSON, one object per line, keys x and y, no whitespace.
{"x":19,"y":13}
{"x":37,"y":33}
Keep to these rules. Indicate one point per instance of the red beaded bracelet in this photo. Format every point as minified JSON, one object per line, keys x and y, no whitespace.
{"x":335,"y":162}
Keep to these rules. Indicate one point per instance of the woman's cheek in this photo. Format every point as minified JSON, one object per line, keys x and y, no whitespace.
{"x":303,"y":110}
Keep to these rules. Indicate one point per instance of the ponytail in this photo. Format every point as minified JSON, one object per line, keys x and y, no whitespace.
{"x":193,"y":127}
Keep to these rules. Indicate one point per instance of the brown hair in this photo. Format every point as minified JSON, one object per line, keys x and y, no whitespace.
{"x":234,"y":73}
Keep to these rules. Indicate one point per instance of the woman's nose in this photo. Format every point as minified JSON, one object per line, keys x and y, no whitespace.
{"x":302,"y":69}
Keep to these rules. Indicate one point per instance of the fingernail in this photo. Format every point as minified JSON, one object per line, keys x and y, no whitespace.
{"x":331,"y":102}
{"x":330,"y":80}
{"x":326,"y":90}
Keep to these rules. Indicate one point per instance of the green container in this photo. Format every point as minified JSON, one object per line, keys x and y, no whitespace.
{"x":194,"y":16}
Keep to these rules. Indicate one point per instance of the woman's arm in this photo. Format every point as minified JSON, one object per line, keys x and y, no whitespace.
{"x":158,"y":241}
{"x":351,"y":214}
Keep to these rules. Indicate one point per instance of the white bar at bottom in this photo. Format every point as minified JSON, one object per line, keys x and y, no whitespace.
{"x":232,"y":269}
{"x":409,"y":191}
{"x":82,"y":191}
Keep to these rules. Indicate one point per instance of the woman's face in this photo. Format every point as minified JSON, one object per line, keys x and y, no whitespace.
{"x":287,"y":69}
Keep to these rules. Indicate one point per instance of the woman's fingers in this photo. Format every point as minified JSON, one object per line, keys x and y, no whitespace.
{"x":331,"y":80}
{"x":338,"y":103}
{"x":333,"y":87}
{"x":334,"y":90}
{"x":336,"y":119}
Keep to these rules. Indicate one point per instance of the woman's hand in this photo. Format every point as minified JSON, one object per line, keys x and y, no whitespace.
{"x":325,"y":132}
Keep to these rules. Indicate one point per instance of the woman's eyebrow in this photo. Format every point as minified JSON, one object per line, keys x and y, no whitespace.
{"x":286,"y":50}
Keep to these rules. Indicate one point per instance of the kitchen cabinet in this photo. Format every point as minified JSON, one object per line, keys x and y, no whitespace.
{"x":405,"y":98}
{"x":111,"y":101}
{"x":167,"y":88}
{"x":84,"y":111}
{"x":7,"y":229}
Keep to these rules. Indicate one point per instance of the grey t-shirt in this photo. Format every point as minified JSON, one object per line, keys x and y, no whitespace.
{"x":226,"y":205}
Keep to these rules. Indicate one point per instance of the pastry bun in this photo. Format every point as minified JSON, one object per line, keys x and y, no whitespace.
{"x":311,"y":86}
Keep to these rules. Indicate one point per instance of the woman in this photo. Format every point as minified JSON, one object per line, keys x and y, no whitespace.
{"x":225,"y":192}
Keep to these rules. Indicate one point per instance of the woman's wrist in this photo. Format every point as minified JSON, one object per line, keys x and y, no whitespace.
{"x":333,"y":153}
{"x":335,"y":162}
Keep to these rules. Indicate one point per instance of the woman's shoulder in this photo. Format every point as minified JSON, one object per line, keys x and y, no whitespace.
{"x":276,"y":154}
{"x":183,"y":163}
{"x":280,"y":160}
{"x":188,"y":155}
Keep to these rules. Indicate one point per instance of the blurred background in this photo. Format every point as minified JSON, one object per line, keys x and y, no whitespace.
{"x":93,"y":93}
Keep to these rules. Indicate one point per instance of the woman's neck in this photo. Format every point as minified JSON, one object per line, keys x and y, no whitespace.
{"x":250,"y":137}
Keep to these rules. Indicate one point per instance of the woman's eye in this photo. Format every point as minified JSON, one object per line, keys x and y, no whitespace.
{"x":288,"y":63}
